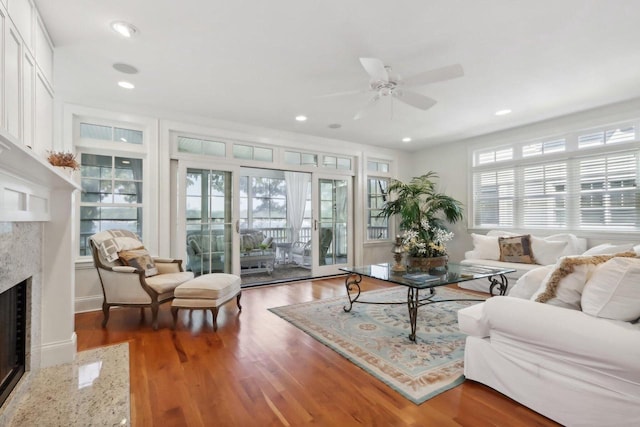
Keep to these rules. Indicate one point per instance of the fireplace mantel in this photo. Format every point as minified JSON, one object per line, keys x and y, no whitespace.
{"x":26,"y":182}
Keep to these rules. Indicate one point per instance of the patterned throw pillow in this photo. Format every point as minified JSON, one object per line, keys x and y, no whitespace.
{"x":140,"y":259}
{"x":516,"y":249}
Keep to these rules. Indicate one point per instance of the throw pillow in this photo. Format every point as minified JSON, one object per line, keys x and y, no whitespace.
{"x":485,"y":247}
{"x":516,"y":249}
{"x":139,"y":259}
{"x":608,"y":249}
{"x":547,"y":251}
{"x":564,"y":286}
{"x":195,"y":247}
{"x":613,"y":292}
{"x":529,"y":282}
{"x":575,"y":244}
{"x":266,"y":242}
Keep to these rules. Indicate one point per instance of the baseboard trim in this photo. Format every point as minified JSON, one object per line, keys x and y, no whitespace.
{"x":90,"y":303}
{"x":59,"y":352}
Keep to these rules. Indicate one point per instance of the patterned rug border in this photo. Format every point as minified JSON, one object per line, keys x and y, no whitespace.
{"x":351,"y":356}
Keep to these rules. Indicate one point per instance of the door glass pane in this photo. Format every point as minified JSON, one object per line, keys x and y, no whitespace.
{"x":209,"y":227}
{"x":332,"y":237}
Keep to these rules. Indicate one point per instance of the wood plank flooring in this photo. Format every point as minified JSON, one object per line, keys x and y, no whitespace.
{"x":258,"y":370}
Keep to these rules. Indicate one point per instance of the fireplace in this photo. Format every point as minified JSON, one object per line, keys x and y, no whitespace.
{"x":13,"y":329}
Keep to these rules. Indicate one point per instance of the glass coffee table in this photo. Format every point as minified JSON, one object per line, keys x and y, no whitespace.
{"x":419,"y":280}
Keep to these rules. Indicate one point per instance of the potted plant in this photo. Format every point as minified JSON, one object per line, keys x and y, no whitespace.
{"x":423,"y":211}
{"x":65,"y":160}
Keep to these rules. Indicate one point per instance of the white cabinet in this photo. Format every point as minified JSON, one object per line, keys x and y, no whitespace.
{"x":12,"y":60}
{"x":44,"y":117}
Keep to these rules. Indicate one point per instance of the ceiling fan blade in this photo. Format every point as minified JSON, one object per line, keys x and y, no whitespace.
{"x":343,"y":93}
{"x":416,"y":100}
{"x":365,"y":110}
{"x":432,"y":76}
{"x":375,"y":68}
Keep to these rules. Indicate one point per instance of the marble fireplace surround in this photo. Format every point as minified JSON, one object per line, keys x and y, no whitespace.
{"x":36,"y":241}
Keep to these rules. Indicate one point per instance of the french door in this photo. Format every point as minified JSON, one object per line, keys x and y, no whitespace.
{"x":207,"y":209}
{"x":332,"y":198}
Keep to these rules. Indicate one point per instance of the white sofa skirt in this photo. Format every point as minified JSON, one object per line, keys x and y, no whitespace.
{"x":564,"y":397}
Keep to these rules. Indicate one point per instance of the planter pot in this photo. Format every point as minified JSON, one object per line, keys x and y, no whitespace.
{"x":426,"y":264}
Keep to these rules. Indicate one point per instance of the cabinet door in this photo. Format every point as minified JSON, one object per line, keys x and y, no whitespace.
{"x":12,"y":84}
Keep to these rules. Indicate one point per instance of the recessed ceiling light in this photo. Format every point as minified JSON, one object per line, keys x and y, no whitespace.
{"x":301,"y":118}
{"x":335,"y":126}
{"x":503,"y":112}
{"x":124,"y":29}
{"x":406,"y":139}
{"x":126,"y":85}
{"x":125,"y":68}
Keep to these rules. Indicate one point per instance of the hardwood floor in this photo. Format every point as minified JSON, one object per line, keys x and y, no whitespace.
{"x":258,"y":370}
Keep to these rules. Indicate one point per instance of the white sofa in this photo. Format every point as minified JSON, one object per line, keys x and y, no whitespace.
{"x":567,"y":365}
{"x":546,"y":250}
{"x":566,"y":341}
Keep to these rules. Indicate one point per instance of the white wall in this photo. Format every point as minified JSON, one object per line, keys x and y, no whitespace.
{"x":451,"y":162}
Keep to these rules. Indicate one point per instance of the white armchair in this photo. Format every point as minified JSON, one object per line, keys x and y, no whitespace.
{"x":128,"y":286}
{"x":301,"y":253}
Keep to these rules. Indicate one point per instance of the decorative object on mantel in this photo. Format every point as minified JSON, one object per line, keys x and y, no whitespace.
{"x":397,"y":252}
{"x":423,"y":211}
{"x":64,"y":160}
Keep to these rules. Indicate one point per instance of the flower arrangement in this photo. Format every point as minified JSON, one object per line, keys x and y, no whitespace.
{"x":426,"y":241}
{"x":63,"y":159}
{"x":422,"y":212}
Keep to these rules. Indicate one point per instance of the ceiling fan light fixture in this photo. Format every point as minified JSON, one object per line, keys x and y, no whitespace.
{"x":503,"y":112}
{"x":124,"y":29}
{"x":301,"y":118}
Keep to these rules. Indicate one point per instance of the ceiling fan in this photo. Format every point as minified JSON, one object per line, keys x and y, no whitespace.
{"x":386,"y":83}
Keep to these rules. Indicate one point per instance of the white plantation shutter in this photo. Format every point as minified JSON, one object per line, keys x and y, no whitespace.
{"x":590,"y":187}
{"x":493,"y":197}
{"x":544,"y":196}
{"x":608,"y":195}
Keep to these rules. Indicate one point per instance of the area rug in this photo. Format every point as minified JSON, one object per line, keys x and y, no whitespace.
{"x":376,"y":338}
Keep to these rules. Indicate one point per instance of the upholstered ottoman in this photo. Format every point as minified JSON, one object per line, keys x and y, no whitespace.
{"x":206,"y":292}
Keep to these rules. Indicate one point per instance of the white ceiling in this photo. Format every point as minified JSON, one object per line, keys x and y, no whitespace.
{"x":264,"y":62}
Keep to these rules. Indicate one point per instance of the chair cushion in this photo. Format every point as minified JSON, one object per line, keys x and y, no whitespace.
{"x":162,"y":283}
{"x":209,"y":286}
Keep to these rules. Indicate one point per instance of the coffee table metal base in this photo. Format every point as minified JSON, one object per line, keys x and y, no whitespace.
{"x":352,"y":283}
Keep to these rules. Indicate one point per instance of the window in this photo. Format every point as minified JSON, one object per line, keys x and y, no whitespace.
{"x":377,"y":166}
{"x":493,"y":198}
{"x":492,"y":156}
{"x":609,"y":191}
{"x":377,"y":227}
{"x":111,"y":196}
{"x":263,"y":202}
{"x":248,"y":152}
{"x":586,"y":187}
{"x":110,"y":133}
{"x":608,"y":136}
{"x":541,"y":148}
{"x":201,"y":146}
{"x":301,"y":159}
{"x":334,"y":162}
